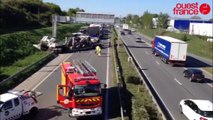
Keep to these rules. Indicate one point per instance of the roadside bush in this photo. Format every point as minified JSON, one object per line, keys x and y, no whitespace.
{"x":133,"y":80}
{"x":139,"y":111}
{"x":184,"y":37}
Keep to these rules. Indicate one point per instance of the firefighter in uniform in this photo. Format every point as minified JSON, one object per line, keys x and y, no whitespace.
{"x":98,"y":50}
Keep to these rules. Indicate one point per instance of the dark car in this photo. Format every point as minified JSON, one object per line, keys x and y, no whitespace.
{"x":194,"y":75}
{"x":122,"y":32}
{"x":138,"y":39}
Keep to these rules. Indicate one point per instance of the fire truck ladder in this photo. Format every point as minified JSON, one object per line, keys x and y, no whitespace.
{"x":84,"y":67}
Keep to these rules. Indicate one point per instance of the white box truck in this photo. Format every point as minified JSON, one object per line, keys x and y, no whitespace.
{"x":125,"y":27}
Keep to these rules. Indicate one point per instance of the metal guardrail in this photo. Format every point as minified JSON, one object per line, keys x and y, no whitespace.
{"x":19,"y":76}
{"x":118,"y":83}
{"x":160,"y":105}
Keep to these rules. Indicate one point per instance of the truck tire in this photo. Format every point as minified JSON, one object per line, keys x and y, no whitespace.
{"x":33,"y":112}
{"x":191,"y":80}
{"x":184,"y":75}
{"x":166,"y":61}
{"x":69,"y":113}
{"x":181,"y":110}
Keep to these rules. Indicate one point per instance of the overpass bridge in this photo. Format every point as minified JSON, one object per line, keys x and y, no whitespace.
{"x":90,"y":18}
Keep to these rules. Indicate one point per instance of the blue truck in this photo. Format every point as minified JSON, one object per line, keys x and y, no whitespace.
{"x":170,"y":50}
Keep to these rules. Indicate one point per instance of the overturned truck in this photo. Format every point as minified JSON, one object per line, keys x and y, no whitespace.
{"x":77,"y":42}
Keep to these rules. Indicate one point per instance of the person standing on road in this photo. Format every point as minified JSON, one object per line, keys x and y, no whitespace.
{"x":98,"y":50}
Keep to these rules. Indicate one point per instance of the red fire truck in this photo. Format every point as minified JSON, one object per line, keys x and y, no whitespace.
{"x":80,"y":90}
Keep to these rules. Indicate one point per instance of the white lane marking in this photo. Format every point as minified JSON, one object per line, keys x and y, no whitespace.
{"x":50,"y":74}
{"x":148,"y":44}
{"x":157,"y":62}
{"x":210,"y":84}
{"x":107,"y":82}
{"x":178,"y":81}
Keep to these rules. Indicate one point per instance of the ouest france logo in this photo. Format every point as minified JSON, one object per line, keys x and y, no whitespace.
{"x":191,"y":9}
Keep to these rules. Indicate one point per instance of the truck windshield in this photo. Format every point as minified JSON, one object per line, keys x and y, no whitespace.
{"x":93,"y":31}
{"x":87,"y":90}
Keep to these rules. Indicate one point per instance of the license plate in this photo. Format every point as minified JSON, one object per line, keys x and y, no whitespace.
{"x":88,"y":112}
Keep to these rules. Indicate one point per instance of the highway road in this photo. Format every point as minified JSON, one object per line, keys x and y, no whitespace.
{"x":168,"y":81}
{"x":49,"y":109}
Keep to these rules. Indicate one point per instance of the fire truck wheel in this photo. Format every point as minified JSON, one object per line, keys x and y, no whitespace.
{"x":69,"y":113}
{"x":33,"y":111}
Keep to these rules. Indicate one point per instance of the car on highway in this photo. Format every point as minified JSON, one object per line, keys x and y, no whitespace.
{"x":138,"y":39}
{"x":196,"y":109}
{"x":129,"y":32}
{"x":194,"y":75}
{"x":122,"y":32}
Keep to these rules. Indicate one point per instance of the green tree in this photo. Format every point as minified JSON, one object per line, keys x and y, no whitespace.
{"x":147,"y":20}
{"x":162,"y":20}
{"x":73,"y":11}
{"x":20,"y":14}
{"x":155,"y":15}
{"x":128,"y":19}
{"x":135,"y":19}
{"x":54,"y":8}
{"x":64,"y":13}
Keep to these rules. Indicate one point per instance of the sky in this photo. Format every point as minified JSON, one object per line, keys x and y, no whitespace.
{"x":123,"y":7}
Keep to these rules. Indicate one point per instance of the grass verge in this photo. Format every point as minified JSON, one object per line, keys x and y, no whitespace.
{"x":20,"y":64}
{"x":26,"y":54}
{"x":196,"y":44}
{"x":16,"y":79}
{"x":31,"y":58}
{"x":209,"y":69}
{"x":138,"y":102}
{"x":18,"y":45}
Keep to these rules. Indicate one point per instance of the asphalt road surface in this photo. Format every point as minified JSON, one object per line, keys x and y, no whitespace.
{"x":168,"y":81}
{"x":49,"y":109}
{"x":46,"y":79}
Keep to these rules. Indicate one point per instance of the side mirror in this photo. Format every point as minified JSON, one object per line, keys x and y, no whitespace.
{"x":104,"y":85}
